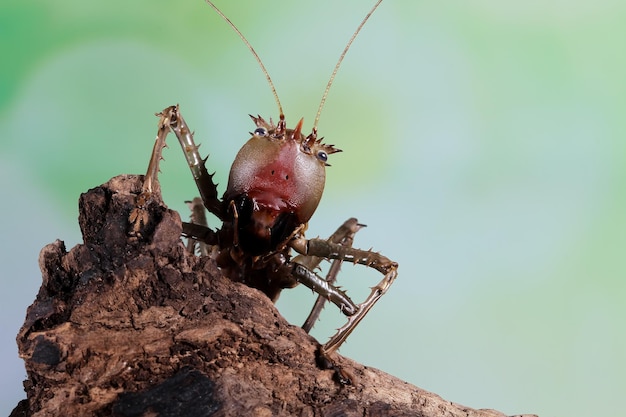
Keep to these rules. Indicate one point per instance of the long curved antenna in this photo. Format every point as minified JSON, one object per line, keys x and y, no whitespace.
{"x":258,"y":59}
{"x":343,"y":54}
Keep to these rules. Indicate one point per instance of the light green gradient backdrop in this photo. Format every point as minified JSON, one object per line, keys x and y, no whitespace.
{"x":484,"y":147}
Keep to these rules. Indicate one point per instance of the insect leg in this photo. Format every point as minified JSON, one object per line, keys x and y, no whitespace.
{"x":344,"y":235}
{"x":204,"y":180}
{"x":198,"y":224}
{"x":138,"y":216}
{"x":171,"y":119}
{"x":318,"y":284}
{"x":330,"y":250}
{"x":317,"y":308}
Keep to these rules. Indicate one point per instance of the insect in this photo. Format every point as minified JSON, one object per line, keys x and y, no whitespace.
{"x":274,"y":187}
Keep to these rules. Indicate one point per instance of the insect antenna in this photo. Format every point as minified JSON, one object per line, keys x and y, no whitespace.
{"x":256,"y":56}
{"x":341,"y":57}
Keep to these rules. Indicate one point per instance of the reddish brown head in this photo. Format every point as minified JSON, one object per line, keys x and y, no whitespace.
{"x":277,"y":179}
{"x":276,"y":183}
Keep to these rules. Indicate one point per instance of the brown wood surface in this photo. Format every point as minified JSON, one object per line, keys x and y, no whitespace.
{"x":135,"y":326}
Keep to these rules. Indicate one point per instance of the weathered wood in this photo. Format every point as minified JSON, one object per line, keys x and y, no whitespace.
{"x":134,"y":326}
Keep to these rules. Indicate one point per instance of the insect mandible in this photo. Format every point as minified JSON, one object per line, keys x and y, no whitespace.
{"x":274,"y":187}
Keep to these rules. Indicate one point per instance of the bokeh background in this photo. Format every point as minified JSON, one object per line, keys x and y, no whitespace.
{"x":484,"y":147}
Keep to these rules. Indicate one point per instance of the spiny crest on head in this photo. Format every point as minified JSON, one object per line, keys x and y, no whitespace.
{"x":278,"y":131}
{"x":329,"y":149}
{"x":312,"y":142}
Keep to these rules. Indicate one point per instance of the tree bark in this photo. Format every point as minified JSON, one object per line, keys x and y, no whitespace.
{"x":129,"y":325}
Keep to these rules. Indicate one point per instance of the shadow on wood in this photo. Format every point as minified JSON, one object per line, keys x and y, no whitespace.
{"x":134,"y":326}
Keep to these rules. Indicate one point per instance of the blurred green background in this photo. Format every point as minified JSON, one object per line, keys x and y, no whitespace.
{"x":483,"y":145}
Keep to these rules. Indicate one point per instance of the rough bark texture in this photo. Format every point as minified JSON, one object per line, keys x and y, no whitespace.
{"x":134,"y":326}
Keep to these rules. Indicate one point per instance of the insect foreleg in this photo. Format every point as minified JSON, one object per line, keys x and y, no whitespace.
{"x":138,"y":216}
{"x":171,"y":119}
{"x":344,"y":331}
{"x":318,"y":284}
{"x":330,"y":250}
{"x":344,"y":235}
{"x":204,"y":180}
{"x":317,"y":308}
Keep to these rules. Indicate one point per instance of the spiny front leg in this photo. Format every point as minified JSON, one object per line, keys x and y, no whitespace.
{"x":170,"y":119}
{"x":204,"y":180}
{"x":329,"y":250}
{"x":305,"y":276}
{"x":151,"y":187}
{"x":344,"y":235}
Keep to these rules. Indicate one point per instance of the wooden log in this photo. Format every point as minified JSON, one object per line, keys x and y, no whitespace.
{"x":134,"y":326}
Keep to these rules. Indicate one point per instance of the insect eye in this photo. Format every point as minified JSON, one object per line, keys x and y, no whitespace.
{"x":322,"y":156}
{"x":260,"y":131}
